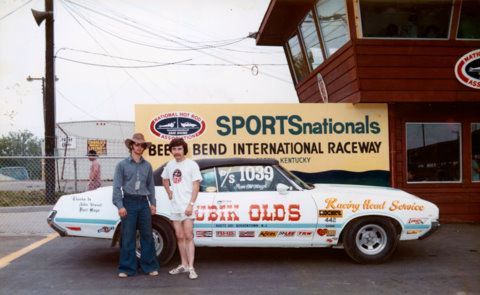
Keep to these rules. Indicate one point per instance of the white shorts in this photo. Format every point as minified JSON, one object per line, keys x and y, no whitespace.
{"x":180,"y":216}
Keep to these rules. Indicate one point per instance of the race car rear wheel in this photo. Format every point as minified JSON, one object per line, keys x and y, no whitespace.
{"x":370,"y":239}
{"x":164,"y":239}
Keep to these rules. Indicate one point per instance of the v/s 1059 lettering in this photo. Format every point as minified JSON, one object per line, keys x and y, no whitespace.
{"x":258,"y":203}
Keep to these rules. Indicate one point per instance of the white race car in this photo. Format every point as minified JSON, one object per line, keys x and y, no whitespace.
{"x":258,"y":203}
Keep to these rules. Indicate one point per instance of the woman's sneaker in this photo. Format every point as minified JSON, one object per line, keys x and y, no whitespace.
{"x":192,"y":274}
{"x":178,"y":269}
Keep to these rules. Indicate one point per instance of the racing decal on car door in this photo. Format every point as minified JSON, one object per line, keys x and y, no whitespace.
{"x":248,"y":201}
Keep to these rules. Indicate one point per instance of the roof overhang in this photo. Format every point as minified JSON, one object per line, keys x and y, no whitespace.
{"x":280,"y":20}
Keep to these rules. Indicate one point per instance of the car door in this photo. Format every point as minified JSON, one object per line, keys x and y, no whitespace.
{"x":249,"y":211}
{"x":203,"y":224}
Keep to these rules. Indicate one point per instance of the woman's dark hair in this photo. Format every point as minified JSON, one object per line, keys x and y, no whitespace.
{"x":178,"y":142}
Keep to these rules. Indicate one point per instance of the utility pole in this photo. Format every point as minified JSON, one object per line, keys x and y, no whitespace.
{"x":49,"y":98}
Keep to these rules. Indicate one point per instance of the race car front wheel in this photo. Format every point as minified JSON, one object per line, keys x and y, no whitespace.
{"x":164,"y":239}
{"x":370,"y":240}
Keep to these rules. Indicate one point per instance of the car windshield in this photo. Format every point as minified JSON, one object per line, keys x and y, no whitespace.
{"x":295,"y":178}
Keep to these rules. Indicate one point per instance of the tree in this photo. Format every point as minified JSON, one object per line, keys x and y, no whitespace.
{"x":21,"y":143}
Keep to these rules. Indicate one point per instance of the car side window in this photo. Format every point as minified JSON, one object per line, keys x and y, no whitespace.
{"x":249,"y":178}
{"x":208,"y":183}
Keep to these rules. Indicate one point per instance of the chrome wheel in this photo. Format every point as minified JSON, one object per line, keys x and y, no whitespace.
{"x":157,"y":239}
{"x":371,"y":239}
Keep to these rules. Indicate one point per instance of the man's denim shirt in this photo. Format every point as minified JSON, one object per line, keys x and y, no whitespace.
{"x":126,"y":176}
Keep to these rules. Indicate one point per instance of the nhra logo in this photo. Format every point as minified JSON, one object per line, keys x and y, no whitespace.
{"x":467,"y":69}
{"x":177,"y":124}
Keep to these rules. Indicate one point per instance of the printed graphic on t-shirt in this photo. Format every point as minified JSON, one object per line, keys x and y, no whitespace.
{"x":177,"y":176}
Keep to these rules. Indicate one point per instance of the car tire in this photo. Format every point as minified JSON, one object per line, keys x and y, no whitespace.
{"x":370,"y":240}
{"x":170,"y":241}
{"x":165,"y":241}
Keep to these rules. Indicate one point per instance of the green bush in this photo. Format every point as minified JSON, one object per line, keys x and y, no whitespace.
{"x":24,"y":198}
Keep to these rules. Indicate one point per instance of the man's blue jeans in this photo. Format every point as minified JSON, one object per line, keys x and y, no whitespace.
{"x":138,"y":217}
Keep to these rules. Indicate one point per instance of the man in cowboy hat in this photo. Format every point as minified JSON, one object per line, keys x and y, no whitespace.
{"x":94,"y":179}
{"x":135,"y":206}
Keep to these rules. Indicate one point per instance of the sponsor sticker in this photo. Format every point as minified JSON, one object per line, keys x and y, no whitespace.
{"x":417,"y":220}
{"x":268,"y":234}
{"x":326,"y":232}
{"x":414,"y":232}
{"x":105,"y":229}
{"x":304,"y":233}
{"x":330,"y":213}
{"x":286,"y":234}
{"x":225,"y":234}
{"x":203,"y":234}
{"x":177,"y":124}
{"x":467,"y":69}
{"x":247,"y":234}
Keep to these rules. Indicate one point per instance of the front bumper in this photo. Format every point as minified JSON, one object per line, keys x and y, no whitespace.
{"x":56,"y":227}
{"x":433,"y":228}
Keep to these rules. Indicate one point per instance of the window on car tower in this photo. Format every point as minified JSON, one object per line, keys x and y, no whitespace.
{"x":469,"y":25}
{"x":332,"y":19}
{"x":311,"y":41}
{"x":409,"y":19}
{"x":297,"y":60}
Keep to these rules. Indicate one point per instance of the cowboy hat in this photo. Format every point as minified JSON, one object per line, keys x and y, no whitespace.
{"x":137,"y":138}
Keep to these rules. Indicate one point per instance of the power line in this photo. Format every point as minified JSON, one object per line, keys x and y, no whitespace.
{"x":102,"y":54}
{"x":156,"y":63}
{"x":177,"y":37}
{"x":67,"y":8}
{"x":76,"y":106}
{"x":227,"y":65}
{"x":143,"y":43}
{"x":131,"y":77}
{"x":177,"y":21}
{"x":183,"y":48}
{"x":15,"y":10}
{"x":174,"y":41}
{"x":82,"y":110}
{"x":120,"y":66}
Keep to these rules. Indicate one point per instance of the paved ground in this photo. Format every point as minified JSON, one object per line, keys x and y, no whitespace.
{"x":446,"y":263}
{"x":31,"y":221}
{"x":11,"y":244}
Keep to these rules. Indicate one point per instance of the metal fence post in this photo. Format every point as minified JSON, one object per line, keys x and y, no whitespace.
{"x":75,"y":173}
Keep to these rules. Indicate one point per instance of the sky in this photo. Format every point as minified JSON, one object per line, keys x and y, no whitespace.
{"x":191,"y":34}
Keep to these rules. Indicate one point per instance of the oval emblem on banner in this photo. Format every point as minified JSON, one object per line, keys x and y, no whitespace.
{"x":177,"y":124}
{"x":467,"y":69}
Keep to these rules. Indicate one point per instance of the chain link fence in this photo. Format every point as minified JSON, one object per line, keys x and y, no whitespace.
{"x":24,"y":205}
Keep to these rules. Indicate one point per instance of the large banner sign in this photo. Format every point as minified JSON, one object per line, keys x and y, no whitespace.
{"x":319,"y":142}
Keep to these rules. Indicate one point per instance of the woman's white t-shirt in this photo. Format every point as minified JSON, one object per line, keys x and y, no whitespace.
{"x":181,"y":175}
